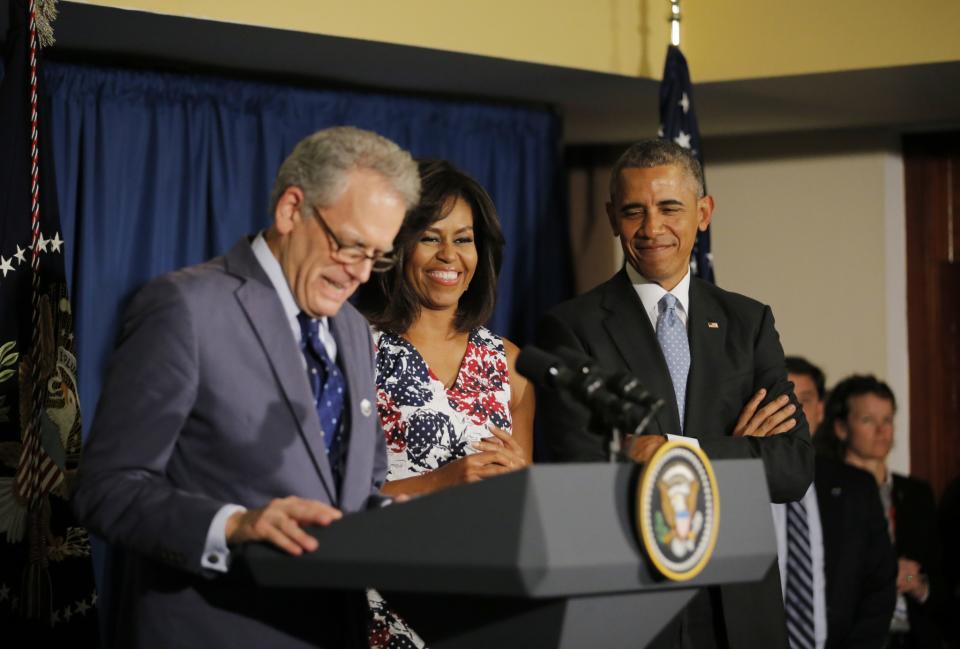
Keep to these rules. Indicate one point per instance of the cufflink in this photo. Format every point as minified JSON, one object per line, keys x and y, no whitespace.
{"x":365,"y":407}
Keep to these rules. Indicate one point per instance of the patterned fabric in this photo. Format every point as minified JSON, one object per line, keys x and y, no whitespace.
{"x":428,"y":425}
{"x":326,"y":381}
{"x":672,"y":336}
{"x":799,"y":596}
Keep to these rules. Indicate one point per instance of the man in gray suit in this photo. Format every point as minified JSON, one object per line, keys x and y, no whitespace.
{"x":240,"y":406}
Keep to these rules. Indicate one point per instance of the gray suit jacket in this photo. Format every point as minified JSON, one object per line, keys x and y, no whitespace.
{"x":206,"y":402}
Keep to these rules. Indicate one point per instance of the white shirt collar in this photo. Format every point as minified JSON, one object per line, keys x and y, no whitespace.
{"x":275,"y":274}
{"x":651,"y":292}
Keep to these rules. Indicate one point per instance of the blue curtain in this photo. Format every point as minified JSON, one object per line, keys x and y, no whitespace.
{"x":156,"y":171}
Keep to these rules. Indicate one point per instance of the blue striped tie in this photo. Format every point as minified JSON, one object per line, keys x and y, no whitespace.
{"x":672,"y":336}
{"x":799,"y":592}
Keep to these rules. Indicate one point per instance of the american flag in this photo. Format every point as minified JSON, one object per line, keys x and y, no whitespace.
{"x":47,"y":596}
{"x":679,"y":123}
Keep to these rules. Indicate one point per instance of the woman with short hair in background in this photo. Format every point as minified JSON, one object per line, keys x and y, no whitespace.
{"x":858,"y":429}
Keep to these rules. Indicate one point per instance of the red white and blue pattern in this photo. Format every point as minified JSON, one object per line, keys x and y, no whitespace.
{"x":427,"y":424}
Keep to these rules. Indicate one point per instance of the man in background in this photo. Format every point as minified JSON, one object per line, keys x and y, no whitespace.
{"x":239,"y":406}
{"x":837,"y":565}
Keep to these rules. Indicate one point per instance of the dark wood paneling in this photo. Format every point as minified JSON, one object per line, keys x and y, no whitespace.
{"x":932,"y":192}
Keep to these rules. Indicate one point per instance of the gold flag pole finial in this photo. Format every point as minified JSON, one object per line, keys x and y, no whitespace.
{"x":45,"y":12}
{"x":675,"y":22}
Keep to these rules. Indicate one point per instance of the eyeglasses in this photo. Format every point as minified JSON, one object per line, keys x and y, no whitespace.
{"x":354,"y":254}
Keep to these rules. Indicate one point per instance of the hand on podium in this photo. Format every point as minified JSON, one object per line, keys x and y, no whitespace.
{"x":640,"y":448}
{"x":280,"y":523}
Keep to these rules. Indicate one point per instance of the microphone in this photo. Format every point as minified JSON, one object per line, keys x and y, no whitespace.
{"x":628,"y":407}
{"x":543,"y":368}
{"x":622,"y":384}
{"x":629,"y":387}
{"x":546,"y":369}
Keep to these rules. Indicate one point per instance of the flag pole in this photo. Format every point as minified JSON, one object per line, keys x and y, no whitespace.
{"x":675,"y":23}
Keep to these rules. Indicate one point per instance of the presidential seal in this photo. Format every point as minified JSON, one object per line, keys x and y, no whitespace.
{"x":678,"y":510}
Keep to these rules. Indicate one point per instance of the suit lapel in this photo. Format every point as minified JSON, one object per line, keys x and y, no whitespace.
{"x":707,"y":330}
{"x":350,"y":360}
{"x":260,"y":303}
{"x":629,"y":327}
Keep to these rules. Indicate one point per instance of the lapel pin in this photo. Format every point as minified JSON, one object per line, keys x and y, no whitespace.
{"x":365,"y":407}
{"x":713,"y":325}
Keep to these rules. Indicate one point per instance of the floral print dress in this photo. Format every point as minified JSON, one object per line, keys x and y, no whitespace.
{"x":428,"y":425}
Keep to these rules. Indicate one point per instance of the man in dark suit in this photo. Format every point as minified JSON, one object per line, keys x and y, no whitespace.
{"x":713,"y":356}
{"x":852,"y":562}
{"x":240,"y":406}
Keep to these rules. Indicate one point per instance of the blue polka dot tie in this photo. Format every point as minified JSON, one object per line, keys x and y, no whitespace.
{"x":672,"y":336}
{"x":326,"y":381}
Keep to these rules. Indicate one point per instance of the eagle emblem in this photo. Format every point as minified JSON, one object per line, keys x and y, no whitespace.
{"x":678,"y":510}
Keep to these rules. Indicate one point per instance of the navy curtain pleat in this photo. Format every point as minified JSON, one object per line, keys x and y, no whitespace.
{"x":157,"y":170}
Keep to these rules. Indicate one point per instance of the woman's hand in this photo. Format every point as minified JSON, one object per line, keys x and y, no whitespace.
{"x":503,"y":441}
{"x":910,"y":580}
{"x":498,"y":455}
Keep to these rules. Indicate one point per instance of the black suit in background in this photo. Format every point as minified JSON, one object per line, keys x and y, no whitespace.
{"x":734,"y":351}
{"x":860,"y":567}
{"x":950,"y":542}
{"x":916,"y":538}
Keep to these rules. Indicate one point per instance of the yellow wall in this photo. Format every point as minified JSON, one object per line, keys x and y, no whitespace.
{"x":599,"y":35}
{"x":738,"y":39}
{"x":723,"y":39}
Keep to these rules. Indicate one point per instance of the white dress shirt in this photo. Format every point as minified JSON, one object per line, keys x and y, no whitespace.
{"x":816,"y":554}
{"x":216,"y":554}
{"x":650,"y":294}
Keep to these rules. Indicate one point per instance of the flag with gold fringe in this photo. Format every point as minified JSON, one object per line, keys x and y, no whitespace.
{"x":47,"y":596}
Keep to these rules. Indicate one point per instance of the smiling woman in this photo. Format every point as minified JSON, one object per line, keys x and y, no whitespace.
{"x":452,"y":407}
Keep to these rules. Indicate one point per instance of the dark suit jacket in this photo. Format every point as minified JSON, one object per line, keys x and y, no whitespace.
{"x":206,"y":402}
{"x":859,"y":563}
{"x":916,"y":537}
{"x":729,"y":363}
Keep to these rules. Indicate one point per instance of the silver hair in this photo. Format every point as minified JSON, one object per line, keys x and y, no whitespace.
{"x":656,"y":153}
{"x":319,"y":165}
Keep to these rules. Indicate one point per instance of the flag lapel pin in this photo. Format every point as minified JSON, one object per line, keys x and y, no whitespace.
{"x":712,"y":325}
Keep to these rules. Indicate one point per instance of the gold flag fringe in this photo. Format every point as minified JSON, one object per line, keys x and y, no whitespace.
{"x":46,"y":14}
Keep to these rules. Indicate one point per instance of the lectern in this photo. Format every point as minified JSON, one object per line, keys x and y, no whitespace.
{"x":544,"y":557}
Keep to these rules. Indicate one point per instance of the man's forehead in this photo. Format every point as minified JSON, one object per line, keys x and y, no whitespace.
{"x":801,"y":382}
{"x":665,"y":178}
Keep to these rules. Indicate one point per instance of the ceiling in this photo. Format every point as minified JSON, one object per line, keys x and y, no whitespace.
{"x":597,"y":107}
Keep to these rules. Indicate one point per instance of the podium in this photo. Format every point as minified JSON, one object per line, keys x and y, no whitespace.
{"x":543,"y":557}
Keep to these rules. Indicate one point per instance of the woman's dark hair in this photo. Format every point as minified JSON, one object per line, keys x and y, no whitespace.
{"x":389,"y":301}
{"x":837,"y":409}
